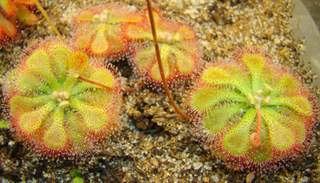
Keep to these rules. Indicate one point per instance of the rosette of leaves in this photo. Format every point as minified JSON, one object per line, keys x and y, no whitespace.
{"x":99,"y":29}
{"x":55,"y":111}
{"x":179,"y":48}
{"x":13,"y":10}
{"x":254,"y":113}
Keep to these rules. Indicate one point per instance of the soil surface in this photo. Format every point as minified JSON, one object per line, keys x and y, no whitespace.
{"x":154,"y":145}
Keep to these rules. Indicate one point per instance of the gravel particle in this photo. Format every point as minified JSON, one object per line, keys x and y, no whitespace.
{"x":197,"y":165}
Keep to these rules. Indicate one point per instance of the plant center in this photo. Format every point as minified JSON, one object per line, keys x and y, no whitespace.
{"x":62,"y":97}
{"x":102,"y":18}
{"x":257,"y":100}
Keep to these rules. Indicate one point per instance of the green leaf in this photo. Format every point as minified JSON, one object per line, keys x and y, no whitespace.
{"x":85,"y":16}
{"x":93,"y":117}
{"x":145,"y":57}
{"x":229,"y":75}
{"x":56,"y":137}
{"x":184,"y":61}
{"x":98,"y":98}
{"x":296,"y":124}
{"x":77,"y":180}
{"x":237,"y":140}
{"x":77,"y":131}
{"x":100,"y":43}
{"x":84,"y":37}
{"x":255,"y":64}
{"x":28,"y":83}
{"x":75,"y":173}
{"x":292,"y":121}
{"x":6,"y":5}
{"x":59,"y":60}
{"x":26,"y":16}
{"x":204,"y":98}
{"x":281,"y":137}
{"x":7,"y":26}
{"x":138,"y":33}
{"x":104,"y":77}
{"x":216,"y":119}
{"x":101,"y":76}
{"x":155,"y":71}
{"x":31,"y":121}
{"x":287,"y":86}
{"x":126,"y":16}
{"x":21,"y":104}
{"x":76,"y":176}
{"x":298,"y":103}
{"x":4,"y":124}
{"x":78,"y":63}
{"x":39,"y":63}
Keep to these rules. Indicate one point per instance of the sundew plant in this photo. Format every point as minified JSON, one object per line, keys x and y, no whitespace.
{"x":65,"y":99}
{"x":254,"y":112}
{"x":13,"y":10}
{"x":53,"y":109}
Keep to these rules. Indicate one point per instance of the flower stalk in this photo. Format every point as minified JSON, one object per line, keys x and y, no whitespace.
{"x":158,"y":55}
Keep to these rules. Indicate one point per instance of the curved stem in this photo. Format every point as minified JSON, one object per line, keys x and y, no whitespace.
{"x":46,"y":16}
{"x":95,"y":83}
{"x":106,"y":88}
{"x":255,"y":137}
{"x":157,"y":50}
